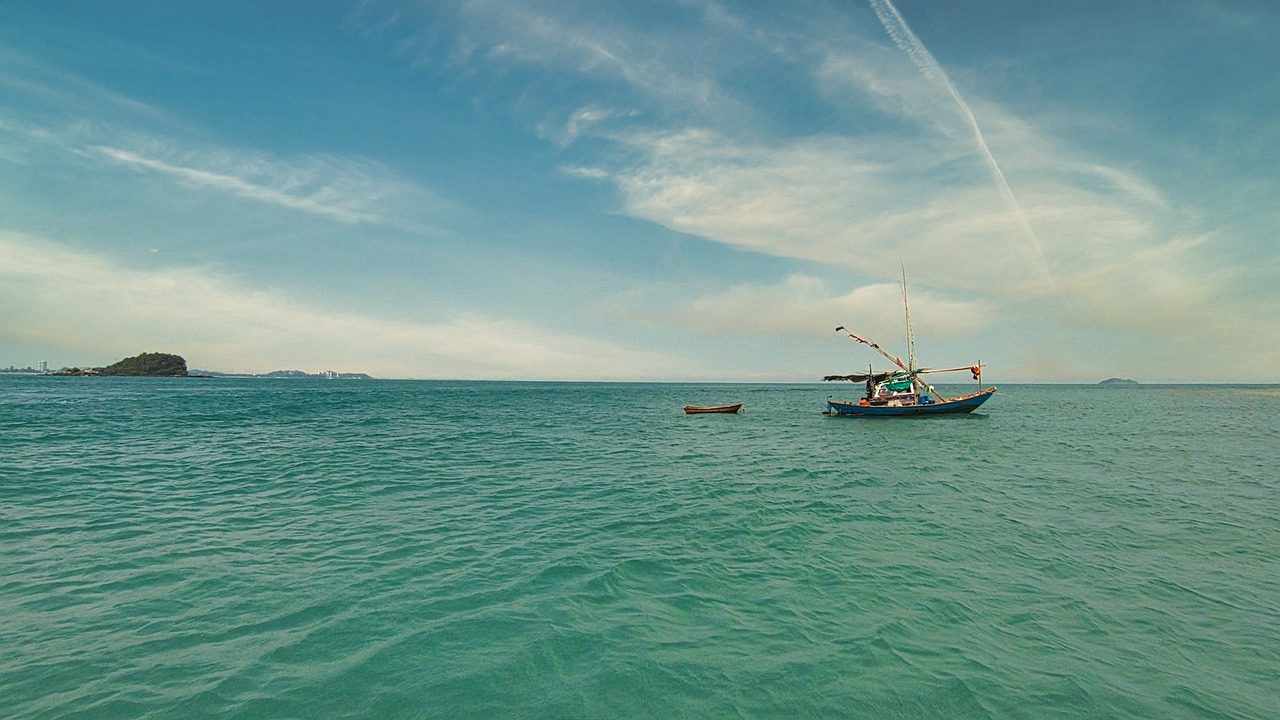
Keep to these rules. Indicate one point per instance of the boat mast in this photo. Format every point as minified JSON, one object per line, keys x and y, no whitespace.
{"x":911,"y":343}
{"x":911,"y":336}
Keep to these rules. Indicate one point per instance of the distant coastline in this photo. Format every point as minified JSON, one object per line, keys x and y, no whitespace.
{"x":11,"y":370}
{"x":170,"y":365}
{"x":1118,"y":381}
{"x":287,"y":374}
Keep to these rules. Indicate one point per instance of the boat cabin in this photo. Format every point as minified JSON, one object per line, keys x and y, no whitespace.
{"x":895,"y":390}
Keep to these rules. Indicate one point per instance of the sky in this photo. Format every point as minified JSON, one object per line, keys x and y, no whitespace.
{"x":636,"y":191}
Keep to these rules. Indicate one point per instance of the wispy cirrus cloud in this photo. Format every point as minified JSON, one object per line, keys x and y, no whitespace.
{"x":61,"y":91}
{"x":345,"y":204}
{"x":664,"y":68}
{"x":350,"y":190}
{"x":64,"y":112}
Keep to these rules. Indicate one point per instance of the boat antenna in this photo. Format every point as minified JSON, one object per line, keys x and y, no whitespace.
{"x":911,"y":336}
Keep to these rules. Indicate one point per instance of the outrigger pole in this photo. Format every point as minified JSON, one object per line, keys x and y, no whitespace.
{"x":975,"y":369}
{"x":873,"y":346}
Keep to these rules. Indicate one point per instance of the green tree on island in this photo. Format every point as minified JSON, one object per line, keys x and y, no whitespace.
{"x":149,"y":364}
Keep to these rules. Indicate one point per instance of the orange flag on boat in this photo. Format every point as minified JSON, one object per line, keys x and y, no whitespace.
{"x":977,"y":371}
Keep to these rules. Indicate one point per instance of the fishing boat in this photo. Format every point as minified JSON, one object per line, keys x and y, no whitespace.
{"x":702,"y":409}
{"x":903,"y":391}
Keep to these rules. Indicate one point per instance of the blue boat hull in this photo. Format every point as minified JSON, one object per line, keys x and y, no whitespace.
{"x":962,"y":404}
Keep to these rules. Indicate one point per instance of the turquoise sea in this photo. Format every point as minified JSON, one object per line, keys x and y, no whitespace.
{"x":240,"y":548}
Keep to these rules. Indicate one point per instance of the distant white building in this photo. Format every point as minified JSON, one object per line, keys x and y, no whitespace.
{"x":330,"y":375}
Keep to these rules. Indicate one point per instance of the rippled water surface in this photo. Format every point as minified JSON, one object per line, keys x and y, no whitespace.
{"x":302,"y":549}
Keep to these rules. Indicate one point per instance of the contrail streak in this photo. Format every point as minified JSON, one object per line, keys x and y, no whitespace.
{"x":907,"y":41}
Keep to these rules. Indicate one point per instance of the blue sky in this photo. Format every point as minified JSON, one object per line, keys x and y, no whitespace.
{"x":643,"y":191}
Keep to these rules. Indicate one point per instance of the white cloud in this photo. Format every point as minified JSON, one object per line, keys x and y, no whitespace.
{"x":832,"y":200}
{"x":1123,"y":262}
{"x":1110,"y":236}
{"x":56,"y":297}
{"x":803,"y":306}
{"x":579,"y":123}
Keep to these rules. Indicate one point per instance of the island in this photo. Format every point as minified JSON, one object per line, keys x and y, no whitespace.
{"x":1115,"y":381}
{"x":143,"y":365}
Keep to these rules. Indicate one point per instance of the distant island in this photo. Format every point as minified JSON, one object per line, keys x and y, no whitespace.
{"x":143,"y":365}
{"x":170,"y":365}
{"x":1118,"y":381}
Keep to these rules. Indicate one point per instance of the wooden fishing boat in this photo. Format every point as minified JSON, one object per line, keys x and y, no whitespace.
{"x":702,"y":409}
{"x":903,"y":392}
{"x":922,"y":404}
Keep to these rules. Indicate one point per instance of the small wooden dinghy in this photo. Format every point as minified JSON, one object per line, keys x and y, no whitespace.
{"x":699,"y":409}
